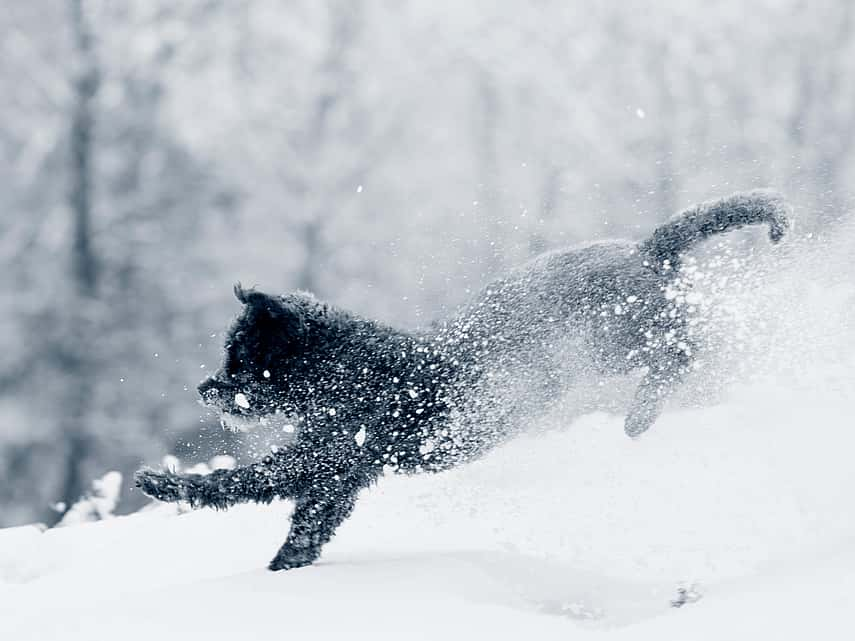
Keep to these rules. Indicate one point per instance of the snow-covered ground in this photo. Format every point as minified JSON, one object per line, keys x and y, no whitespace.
{"x":576,"y":533}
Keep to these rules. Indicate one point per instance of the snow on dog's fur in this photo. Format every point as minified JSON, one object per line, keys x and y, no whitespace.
{"x":357,"y":399}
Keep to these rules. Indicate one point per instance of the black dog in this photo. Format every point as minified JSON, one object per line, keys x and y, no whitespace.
{"x":359,"y":399}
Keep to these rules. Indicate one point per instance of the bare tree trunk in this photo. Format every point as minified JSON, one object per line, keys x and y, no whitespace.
{"x":84,"y":265}
{"x":821,"y":133}
{"x":307,"y":280}
{"x":537,"y":240}
{"x":839,"y":126}
{"x":487,"y":156}
{"x":85,"y":85}
{"x":344,"y":27}
{"x":665,"y":177}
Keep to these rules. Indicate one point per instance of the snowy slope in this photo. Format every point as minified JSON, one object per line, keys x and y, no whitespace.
{"x":576,"y":533}
{"x":573,"y":534}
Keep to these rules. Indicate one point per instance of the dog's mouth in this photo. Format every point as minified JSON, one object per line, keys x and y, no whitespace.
{"x":277,"y":420}
{"x":237,"y":415}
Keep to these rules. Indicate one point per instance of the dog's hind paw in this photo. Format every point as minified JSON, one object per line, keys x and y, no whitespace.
{"x":635,"y":428}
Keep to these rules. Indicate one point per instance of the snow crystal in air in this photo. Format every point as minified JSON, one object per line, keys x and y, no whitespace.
{"x":241,"y":400}
{"x":266,"y":373}
{"x":359,"y":437}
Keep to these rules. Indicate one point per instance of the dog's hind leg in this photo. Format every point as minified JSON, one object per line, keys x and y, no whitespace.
{"x":657,"y":384}
{"x":314,"y":521}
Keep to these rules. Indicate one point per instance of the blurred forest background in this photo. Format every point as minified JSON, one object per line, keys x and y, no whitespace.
{"x":389,"y":155}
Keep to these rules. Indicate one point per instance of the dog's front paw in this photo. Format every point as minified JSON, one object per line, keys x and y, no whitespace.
{"x":163,"y":486}
{"x":290,"y":557}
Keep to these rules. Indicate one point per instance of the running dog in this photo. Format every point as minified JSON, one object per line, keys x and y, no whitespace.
{"x":356,"y":399}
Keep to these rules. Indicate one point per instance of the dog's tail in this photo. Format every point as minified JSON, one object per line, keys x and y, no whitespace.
{"x":700,"y":221}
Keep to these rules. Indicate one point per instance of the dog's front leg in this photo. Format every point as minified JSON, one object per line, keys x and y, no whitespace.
{"x":260,"y":483}
{"x":281,"y":475}
{"x":314,"y":521}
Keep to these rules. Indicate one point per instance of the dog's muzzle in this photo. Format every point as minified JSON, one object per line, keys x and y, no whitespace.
{"x":222,"y":396}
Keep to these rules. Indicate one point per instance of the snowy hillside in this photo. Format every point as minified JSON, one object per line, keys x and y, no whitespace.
{"x":745,"y":501}
{"x":570,"y":535}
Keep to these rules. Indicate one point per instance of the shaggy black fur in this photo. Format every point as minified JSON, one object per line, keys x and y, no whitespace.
{"x":365,"y":399}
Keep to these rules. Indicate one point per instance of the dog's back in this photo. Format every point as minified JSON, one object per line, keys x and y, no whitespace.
{"x":593,"y":310}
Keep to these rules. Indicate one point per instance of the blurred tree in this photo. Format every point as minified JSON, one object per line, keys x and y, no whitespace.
{"x":77,"y":356}
{"x":103,"y":318}
{"x":822,"y":117}
{"x":154,"y":152}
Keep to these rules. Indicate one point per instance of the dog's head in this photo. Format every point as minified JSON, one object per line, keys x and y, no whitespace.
{"x":263,"y":376}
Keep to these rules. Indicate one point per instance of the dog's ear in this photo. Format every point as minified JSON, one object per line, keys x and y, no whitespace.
{"x":285,"y":311}
{"x":240,"y":293}
{"x":258,"y":301}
